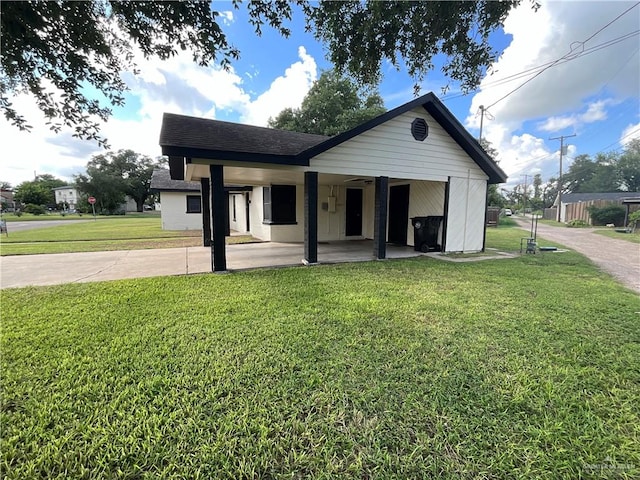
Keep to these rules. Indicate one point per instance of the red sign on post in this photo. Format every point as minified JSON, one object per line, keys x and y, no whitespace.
{"x":91,"y":200}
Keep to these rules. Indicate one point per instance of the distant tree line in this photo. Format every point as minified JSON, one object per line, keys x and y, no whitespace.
{"x":110,"y":178}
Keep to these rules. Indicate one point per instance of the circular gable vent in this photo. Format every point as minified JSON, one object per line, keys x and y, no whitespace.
{"x":419,"y":129}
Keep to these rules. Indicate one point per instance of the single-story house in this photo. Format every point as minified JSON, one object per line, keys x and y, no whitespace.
{"x":416,"y":160}
{"x":181,"y":201}
{"x":573,"y":206}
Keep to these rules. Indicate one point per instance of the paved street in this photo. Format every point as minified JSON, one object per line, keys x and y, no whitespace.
{"x":19,"y":226}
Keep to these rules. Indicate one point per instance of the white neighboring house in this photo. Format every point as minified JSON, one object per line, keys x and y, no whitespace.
{"x":181,"y":202}
{"x":67,"y":194}
{"x":370,"y":182}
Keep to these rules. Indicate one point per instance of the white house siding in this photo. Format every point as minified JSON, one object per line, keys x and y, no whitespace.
{"x":174,"y":212}
{"x":425,"y":199}
{"x":258,"y":229}
{"x":390,"y":150}
{"x":465,"y":222}
{"x":240,"y":222}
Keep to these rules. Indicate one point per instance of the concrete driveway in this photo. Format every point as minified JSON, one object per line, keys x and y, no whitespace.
{"x":619,"y":258}
{"x":60,"y":268}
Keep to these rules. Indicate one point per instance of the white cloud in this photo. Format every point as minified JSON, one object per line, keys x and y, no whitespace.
{"x":595,"y":112}
{"x":630,"y":133}
{"x":285,"y":91}
{"x":227,"y":17}
{"x":177,"y":85}
{"x":566,"y":96}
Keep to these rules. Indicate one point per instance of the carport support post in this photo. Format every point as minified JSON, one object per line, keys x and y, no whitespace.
{"x":310,"y":217}
{"x":380,"y":218}
{"x":206,"y":211}
{"x":218,"y":223}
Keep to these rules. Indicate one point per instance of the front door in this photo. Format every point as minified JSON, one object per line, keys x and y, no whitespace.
{"x":398,"y":214}
{"x":353,"y":226}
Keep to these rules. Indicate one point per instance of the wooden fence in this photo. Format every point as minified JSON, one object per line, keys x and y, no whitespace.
{"x":578,"y":211}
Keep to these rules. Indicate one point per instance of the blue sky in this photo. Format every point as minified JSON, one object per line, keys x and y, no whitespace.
{"x":592,"y":91}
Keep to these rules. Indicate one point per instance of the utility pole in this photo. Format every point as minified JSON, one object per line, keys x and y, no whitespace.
{"x":483,"y":112}
{"x":562,"y":152}
{"x":524,"y":195}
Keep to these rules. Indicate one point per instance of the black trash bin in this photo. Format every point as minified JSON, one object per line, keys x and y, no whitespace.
{"x":425,"y":233}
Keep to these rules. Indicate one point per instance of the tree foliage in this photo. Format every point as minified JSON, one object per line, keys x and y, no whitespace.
{"x":607,"y":172}
{"x":332,"y":105}
{"x":112,"y":176}
{"x":57,"y":51}
{"x":38,"y":191}
{"x":362,"y":35}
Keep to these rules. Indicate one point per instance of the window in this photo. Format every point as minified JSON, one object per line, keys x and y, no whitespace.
{"x":279,"y":204}
{"x":194,"y":204}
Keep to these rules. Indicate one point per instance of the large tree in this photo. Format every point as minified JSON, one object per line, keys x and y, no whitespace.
{"x":38,"y":191}
{"x":332,"y":105}
{"x":112,"y":176}
{"x":59,"y":51}
{"x":628,"y":166}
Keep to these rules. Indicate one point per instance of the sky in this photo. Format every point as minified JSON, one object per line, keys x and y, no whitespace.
{"x":571,"y":68}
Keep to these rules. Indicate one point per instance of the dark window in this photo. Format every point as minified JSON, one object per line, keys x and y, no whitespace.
{"x":194,"y":204}
{"x":279,"y":204}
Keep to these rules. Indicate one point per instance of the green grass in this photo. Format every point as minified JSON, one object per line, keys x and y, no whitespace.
{"x":29,"y":217}
{"x":521,"y":368}
{"x":105,"y":234}
{"x":629,"y":237}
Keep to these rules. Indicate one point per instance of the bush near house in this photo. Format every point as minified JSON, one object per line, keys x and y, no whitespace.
{"x":35,"y":209}
{"x":607,"y":214}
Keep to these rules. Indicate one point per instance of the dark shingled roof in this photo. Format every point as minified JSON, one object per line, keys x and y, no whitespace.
{"x":217,"y":136}
{"x":190,"y":137}
{"x":586,"y":197}
{"x":161,"y":182}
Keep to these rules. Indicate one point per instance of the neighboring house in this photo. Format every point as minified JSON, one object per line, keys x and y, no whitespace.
{"x":7,"y":202}
{"x":67,"y":195}
{"x":574,"y":206}
{"x":182,"y":203}
{"x":180,"y":200}
{"x":70,"y":195}
{"x":366,"y":183}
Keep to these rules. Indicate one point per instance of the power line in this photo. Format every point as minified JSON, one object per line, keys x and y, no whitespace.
{"x":564,"y":57}
{"x":530,"y":71}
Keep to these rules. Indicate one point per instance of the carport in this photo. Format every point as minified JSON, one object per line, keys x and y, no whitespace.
{"x":367,"y":183}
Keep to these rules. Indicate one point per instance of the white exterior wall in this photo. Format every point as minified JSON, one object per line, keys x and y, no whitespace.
{"x":425,"y":199}
{"x":258,"y":229}
{"x":390,"y":150}
{"x":66,"y":194}
{"x":465,"y":222}
{"x":240,"y":223}
{"x":174,"y":212}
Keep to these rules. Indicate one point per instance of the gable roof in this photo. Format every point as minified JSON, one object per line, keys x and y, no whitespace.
{"x":194,"y":137}
{"x":442,"y":115}
{"x":191,"y":137}
{"x":161,"y":181}
{"x":586,"y":197}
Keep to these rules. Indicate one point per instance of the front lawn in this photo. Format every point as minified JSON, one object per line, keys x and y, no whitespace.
{"x":417,"y":368}
{"x":104,"y":234}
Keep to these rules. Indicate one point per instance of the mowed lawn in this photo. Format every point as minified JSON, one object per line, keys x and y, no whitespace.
{"x":418,"y":368}
{"x":104,"y":234}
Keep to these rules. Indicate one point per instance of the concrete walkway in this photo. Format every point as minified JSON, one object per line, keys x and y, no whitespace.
{"x":619,"y":258}
{"x":61,"y":268}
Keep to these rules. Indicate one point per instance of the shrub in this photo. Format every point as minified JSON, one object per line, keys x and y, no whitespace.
{"x":577,"y":224}
{"x":34,"y":209}
{"x":607,"y":214}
